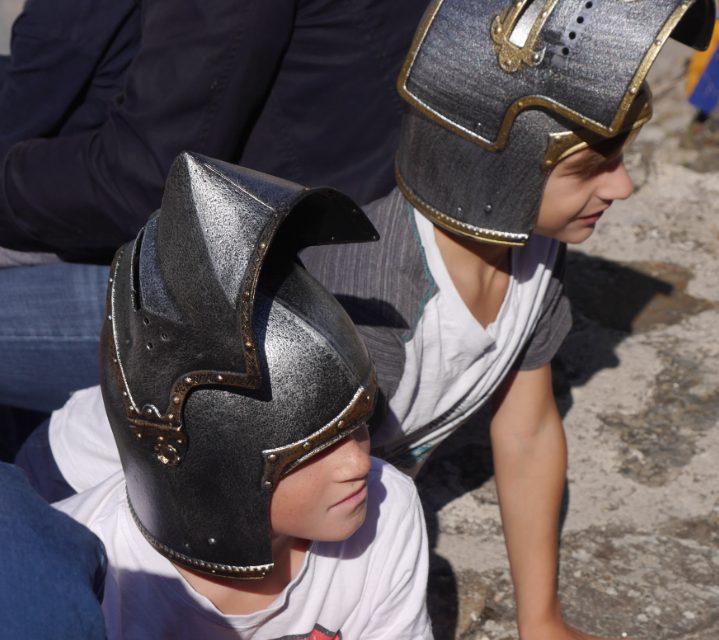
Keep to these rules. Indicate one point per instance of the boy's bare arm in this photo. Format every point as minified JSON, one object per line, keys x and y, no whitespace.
{"x":530,"y":459}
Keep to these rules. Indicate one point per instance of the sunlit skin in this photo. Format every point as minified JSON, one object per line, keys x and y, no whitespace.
{"x":578,"y":192}
{"x":323,"y":499}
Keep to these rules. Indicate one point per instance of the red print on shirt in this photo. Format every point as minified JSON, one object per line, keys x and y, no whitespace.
{"x":318,"y":633}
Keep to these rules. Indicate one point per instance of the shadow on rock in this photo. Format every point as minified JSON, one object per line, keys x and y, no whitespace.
{"x":610,"y":301}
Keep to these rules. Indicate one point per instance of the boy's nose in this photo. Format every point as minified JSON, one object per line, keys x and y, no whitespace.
{"x":355,"y":454}
{"x":618,"y":184}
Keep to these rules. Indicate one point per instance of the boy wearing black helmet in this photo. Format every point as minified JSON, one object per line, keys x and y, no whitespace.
{"x":520,"y":112}
{"x":238,"y":392}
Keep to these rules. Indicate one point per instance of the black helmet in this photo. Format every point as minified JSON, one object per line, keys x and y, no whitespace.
{"x":224,"y":363}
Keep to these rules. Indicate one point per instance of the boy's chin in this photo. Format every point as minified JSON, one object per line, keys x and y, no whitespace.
{"x":334,"y":530}
{"x":569,"y":236}
{"x":343,"y":530}
{"x":349,"y":529}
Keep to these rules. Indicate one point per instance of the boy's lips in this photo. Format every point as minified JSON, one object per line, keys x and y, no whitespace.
{"x":592,"y":217}
{"x":354,"y":498}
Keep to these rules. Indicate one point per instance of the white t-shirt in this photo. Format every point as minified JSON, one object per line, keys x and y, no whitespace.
{"x":453,"y":364}
{"x":81,"y":440}
{"x":372,"y":585}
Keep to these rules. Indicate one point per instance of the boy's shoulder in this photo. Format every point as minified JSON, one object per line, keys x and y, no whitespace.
{"x":81,"y":440}
{"x":397,"y":251}
{"x":394,"y":489}
{"x":393,"y":485}
{"x":97,"y":504}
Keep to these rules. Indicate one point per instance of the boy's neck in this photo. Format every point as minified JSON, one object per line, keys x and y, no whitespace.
{"x":242,"y":597}
{"x":479,"y":270}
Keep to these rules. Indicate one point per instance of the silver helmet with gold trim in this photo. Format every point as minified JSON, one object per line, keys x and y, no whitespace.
{"x":224,"y":363}
{"x":502,"y":90}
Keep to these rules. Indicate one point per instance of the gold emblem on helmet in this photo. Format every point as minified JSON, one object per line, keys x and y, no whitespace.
{"x":515,"y":33}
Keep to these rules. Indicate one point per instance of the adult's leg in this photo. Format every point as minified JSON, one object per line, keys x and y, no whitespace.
{"x":10,"y":258}
{"x":50,"y":319}
{"x":37,"y":462}
{"x":53,"y":568}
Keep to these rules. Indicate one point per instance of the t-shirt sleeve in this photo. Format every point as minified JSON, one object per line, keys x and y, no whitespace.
{"x":400,"y":585}
{"x":554,"y":322}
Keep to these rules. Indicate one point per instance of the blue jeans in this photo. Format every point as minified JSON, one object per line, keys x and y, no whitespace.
{"x":36,"y":461}
{"x":53,"y":568}
{"x":50,"y":319}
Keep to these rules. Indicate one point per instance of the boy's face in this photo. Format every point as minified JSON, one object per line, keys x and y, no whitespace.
{"x":326,"y":497}
{"x":579,"y":190}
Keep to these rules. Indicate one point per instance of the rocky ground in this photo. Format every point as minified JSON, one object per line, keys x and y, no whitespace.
{"x":638,"y":385}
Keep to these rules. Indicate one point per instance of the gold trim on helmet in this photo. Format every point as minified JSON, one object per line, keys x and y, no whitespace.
{"x":510,"y":56}
{"x":464,"y":229}
{"x":252,"y":572}
{"x":534,"y":101}
{"x":565,"y":143}
{"x":281,"y":460}
{"x":166,"y":429}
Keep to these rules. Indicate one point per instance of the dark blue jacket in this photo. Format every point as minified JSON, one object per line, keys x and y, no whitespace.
{"x":303,"y":89}
{"x":68,"y":61}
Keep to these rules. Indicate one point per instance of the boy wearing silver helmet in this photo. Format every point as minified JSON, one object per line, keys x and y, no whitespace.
{"x":513,"y":146}
{"x":238,"y":392}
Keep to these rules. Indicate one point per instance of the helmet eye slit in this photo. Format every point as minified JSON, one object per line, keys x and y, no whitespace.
{"x":525,"y":22}
{"x":135,"y":275}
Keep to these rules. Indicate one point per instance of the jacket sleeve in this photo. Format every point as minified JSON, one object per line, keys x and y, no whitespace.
{"x":197,"y":82}
{"x":56,"y":48}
